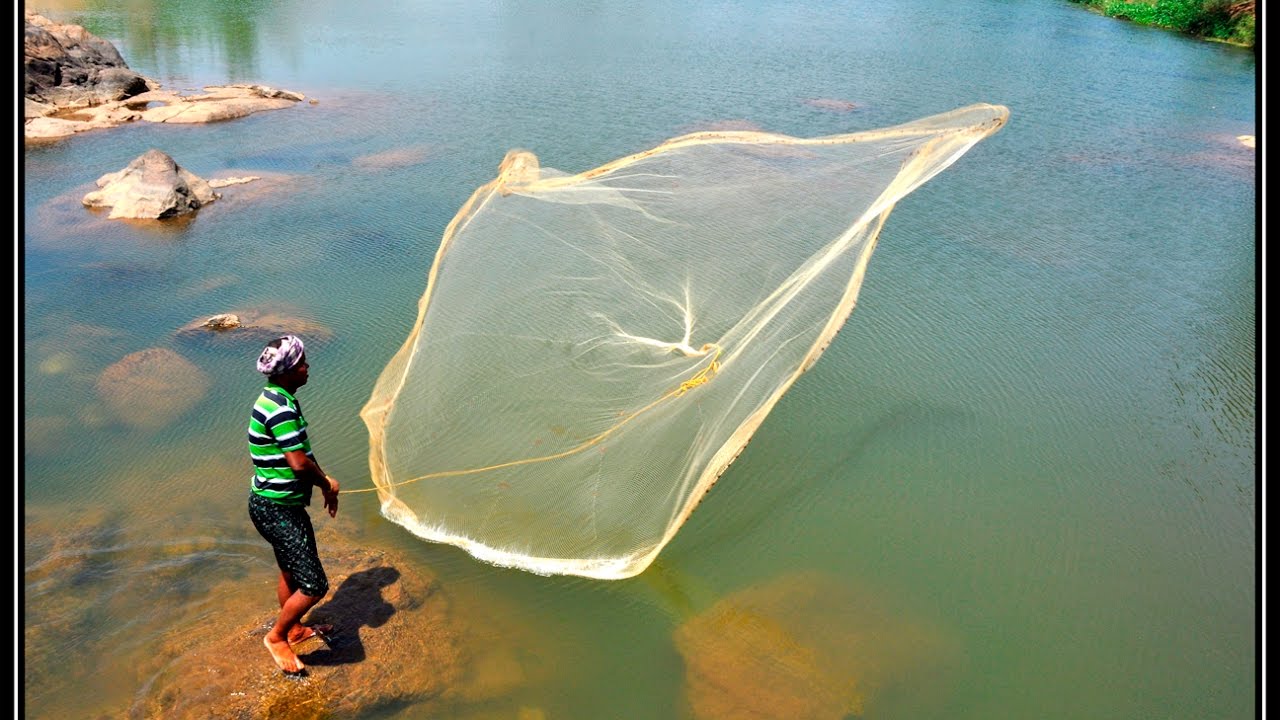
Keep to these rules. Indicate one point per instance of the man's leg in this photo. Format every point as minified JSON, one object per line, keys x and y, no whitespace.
{"x":277,"y":639}
{"x":284,"y":590}
{"x":292,"y":539}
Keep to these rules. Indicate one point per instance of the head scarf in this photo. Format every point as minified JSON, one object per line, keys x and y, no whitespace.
{"x":278,"y":360}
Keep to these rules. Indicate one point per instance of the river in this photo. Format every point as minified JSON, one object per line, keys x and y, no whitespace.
{"x":1033,"y":441}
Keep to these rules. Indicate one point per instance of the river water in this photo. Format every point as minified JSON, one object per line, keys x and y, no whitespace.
{"x":1033,"y":441}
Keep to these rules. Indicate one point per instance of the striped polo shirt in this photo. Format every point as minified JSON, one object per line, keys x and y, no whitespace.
{"x":276,"y":426}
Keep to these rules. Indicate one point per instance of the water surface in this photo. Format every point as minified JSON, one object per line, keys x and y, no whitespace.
{"x":1035,"y":436}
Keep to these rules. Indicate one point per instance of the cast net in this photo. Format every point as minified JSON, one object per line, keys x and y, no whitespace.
{"x":593,"y":350}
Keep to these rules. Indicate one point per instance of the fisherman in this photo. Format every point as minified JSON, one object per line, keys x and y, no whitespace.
{"x":284,"y":473}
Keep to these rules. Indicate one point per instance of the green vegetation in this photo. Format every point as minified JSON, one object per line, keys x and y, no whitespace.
{"x":1229,"y":20}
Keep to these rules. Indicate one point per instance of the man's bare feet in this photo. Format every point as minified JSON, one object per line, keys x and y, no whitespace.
{"x":302,"y":632}
{"x":283,"y":655}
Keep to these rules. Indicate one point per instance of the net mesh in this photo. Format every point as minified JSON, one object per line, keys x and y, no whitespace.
{"x":593,"y":350}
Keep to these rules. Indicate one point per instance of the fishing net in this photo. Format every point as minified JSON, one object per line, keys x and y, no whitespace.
{"x":593,"y":350}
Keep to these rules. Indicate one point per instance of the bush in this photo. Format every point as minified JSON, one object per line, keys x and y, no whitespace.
{"x":1172,"y":14}
{"x":1206,"y":18}
{"x":1243,"y":32}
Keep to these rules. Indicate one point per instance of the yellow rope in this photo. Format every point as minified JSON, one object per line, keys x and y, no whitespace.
{"x":699,"y":378}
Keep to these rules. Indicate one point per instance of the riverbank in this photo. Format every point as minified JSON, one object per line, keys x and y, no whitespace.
{"x":1229,"y":21}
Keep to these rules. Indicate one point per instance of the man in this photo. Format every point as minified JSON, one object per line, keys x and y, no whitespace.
{"x":284,"y":473}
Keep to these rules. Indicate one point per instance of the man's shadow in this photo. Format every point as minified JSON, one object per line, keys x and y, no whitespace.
{"x":357,"y":603}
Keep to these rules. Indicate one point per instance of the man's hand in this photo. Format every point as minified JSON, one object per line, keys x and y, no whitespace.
{"x":331,"y":497}
{"x":305,"y":467}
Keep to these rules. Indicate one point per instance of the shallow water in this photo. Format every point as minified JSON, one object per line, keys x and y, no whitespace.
{"x":1035,"y":436}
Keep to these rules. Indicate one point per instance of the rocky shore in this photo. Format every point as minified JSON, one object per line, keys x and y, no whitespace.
{"x":75,"y":81}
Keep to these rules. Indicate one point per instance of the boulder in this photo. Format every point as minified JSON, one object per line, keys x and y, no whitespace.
{"x":152,"y":186}
{"x":66,"y":66}
{"x":226,"y":321}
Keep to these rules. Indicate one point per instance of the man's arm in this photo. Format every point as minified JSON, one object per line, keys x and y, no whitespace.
{"x":309,"y":470}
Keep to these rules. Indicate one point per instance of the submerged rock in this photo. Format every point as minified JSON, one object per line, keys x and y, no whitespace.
{"x":151,"y":388}
{"x":803,"y":647}
{"x":252,"y":328}
{"x":831,"y":104}
{"x":394,"y":158}
{"x":62,"y":555}
{"x":164,"y":609}
{"x":224,"y":182}
{"x":153,"y":186}
{"x":395,"y":643}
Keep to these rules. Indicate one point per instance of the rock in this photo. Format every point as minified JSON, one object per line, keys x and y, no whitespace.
{"x":151,"y":388}
{"x":218,"y":103}
{"x":69,"y":123}
{"x":51,"y":128}
{"x":60,"y":558}
{"x":270,"y":92}
{"x":33,"y":108}
{"x":397,"y":157}
{"x":223,"y":182}
{"x":395,"y":643}
{"x":152,"y":186}
{"x":492,"y":673}
{"x":256,"y":328}
{"x":76,"y":81}
{"x":56,"y":364}
{"x":165,"y":611}
{"x":66,"y":66}
{"x":226,"y":321}
{"x":831,"y":104}
{"x":804,"y":647}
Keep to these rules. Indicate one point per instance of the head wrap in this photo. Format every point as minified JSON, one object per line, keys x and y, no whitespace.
{"x":278,"y":360}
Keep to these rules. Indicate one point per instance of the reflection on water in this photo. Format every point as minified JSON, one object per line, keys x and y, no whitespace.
{"x":163,"y":36}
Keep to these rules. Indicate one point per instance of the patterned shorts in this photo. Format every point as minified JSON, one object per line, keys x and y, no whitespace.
{"x":288,"y":529}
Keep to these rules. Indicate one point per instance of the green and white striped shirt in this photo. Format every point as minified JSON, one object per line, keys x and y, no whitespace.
{"x":277,"y":426}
